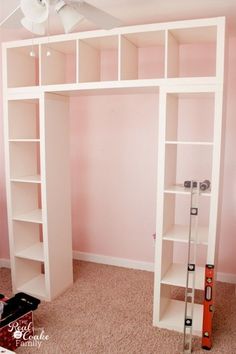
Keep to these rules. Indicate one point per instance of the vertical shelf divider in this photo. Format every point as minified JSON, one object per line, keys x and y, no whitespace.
{"x":172,"y":56}
{"x":129,"y":60}
{"x":77,"y":61}
{"x":89,"y":63}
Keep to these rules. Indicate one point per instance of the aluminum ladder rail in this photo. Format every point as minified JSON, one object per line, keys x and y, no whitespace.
{"x":191,"y":268}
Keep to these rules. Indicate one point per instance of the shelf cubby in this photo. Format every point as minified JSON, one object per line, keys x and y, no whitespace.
{"x":179,"y":233}
{"x":26,"y":201}
{"x":23,"y":120}
{"x":34,"y":216}
{"x":30,"y":277}
{"x":58,"y":63}
{"x":34,"y":252}
{"x":24,"y":160}
{"x":98,"y":59}
{"x":191,"y":53}
{"x":28,"y":240}
{"x":174,"y":267}
{"x":176,"y":275}
{"x":172,"y":312}
{"x":23,"y":66}
{"x":187,"y":162}
{"x":190,"y":118}
{"x":143,"y":55}
{"x":176,"y":218}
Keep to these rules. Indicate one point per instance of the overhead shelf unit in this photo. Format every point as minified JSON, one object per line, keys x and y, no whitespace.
{"x":154,"y":52}
{"x":182,"y":63}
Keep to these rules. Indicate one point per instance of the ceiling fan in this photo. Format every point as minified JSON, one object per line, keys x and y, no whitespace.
{"x":71,"y":13}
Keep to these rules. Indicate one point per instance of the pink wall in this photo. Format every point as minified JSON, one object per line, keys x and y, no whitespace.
{"x":114,"y":150}
{"x":113,"y":164}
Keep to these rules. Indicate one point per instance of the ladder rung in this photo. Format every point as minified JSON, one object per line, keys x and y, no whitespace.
{"x":191,"y":267}
{"x":188,"y":322}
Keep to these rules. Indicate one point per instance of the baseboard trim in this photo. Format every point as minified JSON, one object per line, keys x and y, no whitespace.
{"x":226,"y":277}
{"x":129,"y":263}
{"x":5,"y":263}
{"x":125,"y":263}
{"x":115,"y":261}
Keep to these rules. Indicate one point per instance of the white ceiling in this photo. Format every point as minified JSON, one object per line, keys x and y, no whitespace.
{"x":132,"y":12}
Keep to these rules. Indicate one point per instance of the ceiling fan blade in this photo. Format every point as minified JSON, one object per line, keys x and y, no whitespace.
{"x":13,"y":19}
{"x":95,"y":15}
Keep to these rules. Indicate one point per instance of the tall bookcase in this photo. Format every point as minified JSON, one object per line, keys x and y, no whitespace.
{"x":188,"y":149}
{"x":182,"y":63}
{"x":37,"y":169}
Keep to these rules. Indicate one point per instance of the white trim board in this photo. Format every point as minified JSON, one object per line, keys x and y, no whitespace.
{"x":226,"y":277}
{"x":115,"y":261}
{"x":122,"y":262}
{"x":5,"y":263}
{"x":129,"y":263}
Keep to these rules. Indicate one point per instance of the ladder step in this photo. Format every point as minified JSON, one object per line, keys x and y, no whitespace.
{"x":191,"y":267}
{"x":188,"y":322}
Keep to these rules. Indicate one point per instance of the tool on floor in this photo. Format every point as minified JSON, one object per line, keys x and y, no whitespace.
{"x":191,"y":267}
{"x":208,"y":307}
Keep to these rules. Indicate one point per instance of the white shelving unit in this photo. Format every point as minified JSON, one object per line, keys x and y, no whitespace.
{"x":35,"y":126}
{"x":189,"y":149}
{"x":152,"y":58}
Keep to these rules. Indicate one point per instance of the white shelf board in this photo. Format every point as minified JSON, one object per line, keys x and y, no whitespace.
{"x":137,"y":85}
{"x":180,"y":189}
{"x":35,"y":287}
{"x":27,"y":179}
{"x":31,"y":216}
{"x":179,"y":233}
{"x":24,"y":140}
{"x":173,"y":317}
{"x":177,"y":274}
{"x":202,"y":143}
{"x":34,"y":252}
{"x":106,"y":87}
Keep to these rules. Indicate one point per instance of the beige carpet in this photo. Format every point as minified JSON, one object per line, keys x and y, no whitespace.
{"x":109,"y":311}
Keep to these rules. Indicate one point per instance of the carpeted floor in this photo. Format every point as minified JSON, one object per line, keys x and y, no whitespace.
{"x":109,"y":311}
